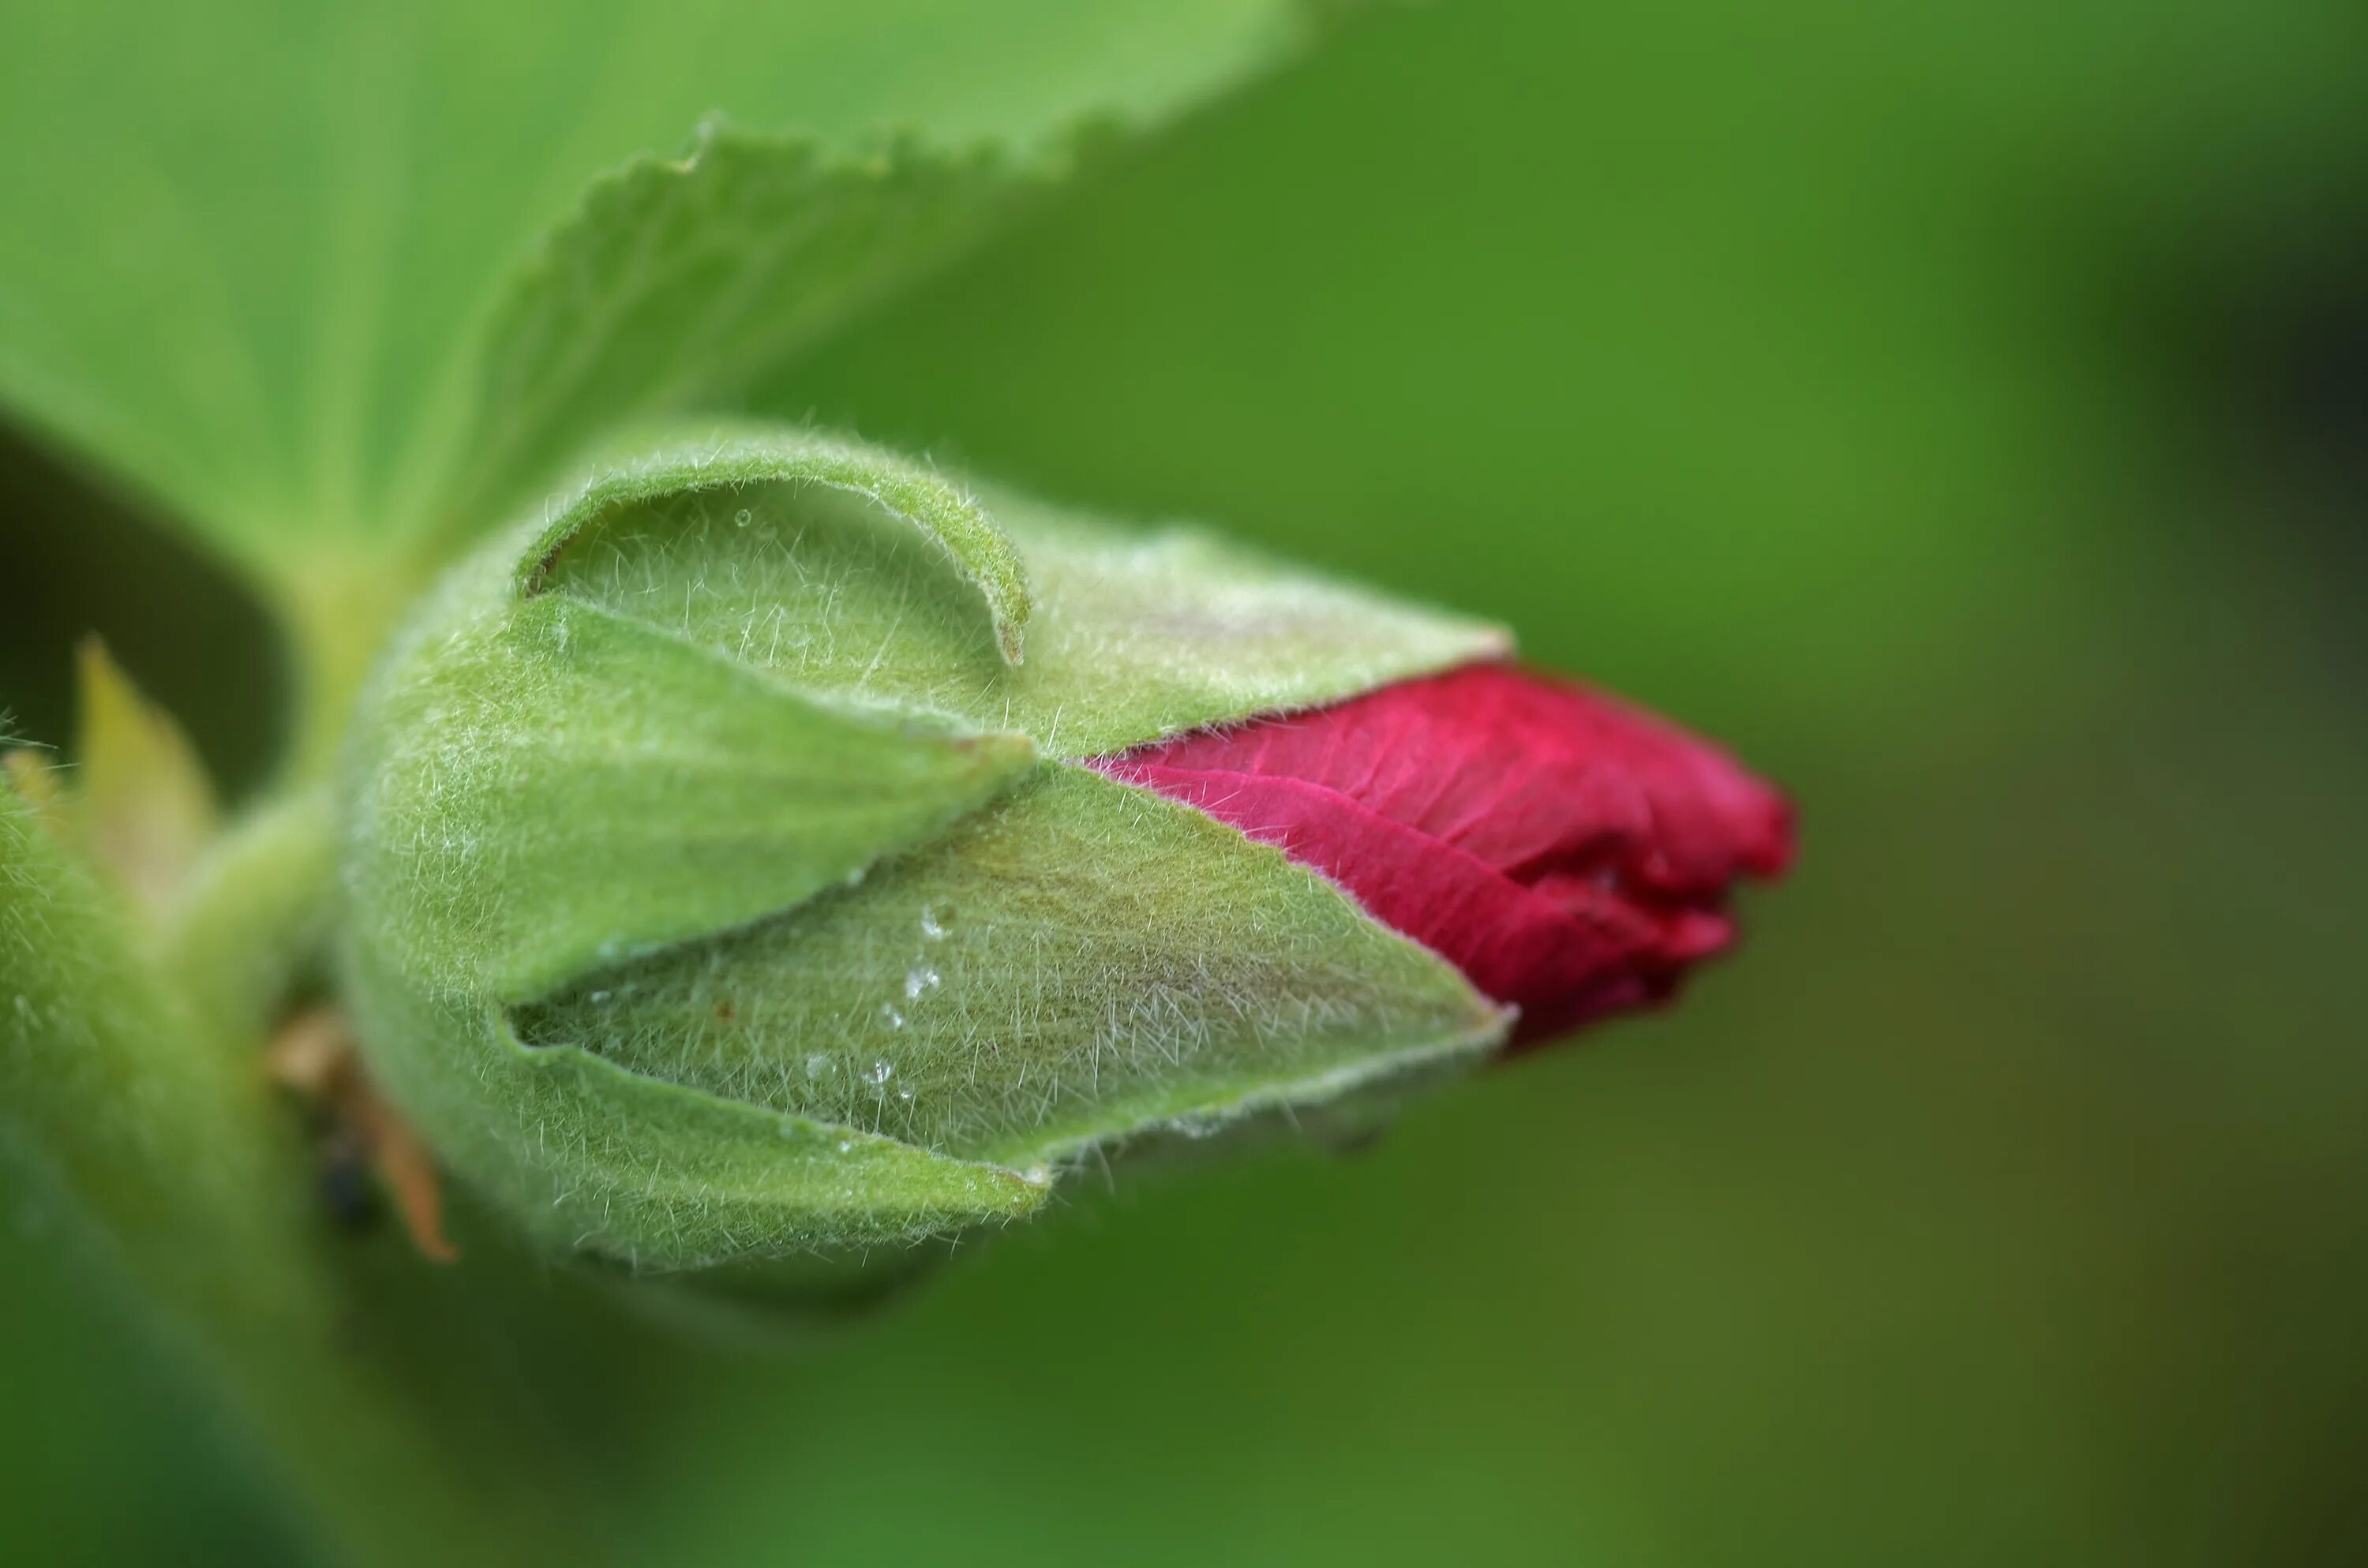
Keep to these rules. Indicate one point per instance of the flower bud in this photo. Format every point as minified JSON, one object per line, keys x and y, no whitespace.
{"x":775,"y":852}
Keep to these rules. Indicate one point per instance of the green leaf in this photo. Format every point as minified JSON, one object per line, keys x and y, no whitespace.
{"x":1130,"y":636}
{"x":253,"y":248}
{"x":1082,"y":964}
{"x":680,"y":281}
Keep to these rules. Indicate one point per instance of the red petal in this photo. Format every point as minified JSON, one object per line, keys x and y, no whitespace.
{"x":1570,"y":855}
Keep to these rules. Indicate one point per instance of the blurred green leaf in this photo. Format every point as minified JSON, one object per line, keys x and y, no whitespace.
{"x":682,"y":280}
{"x":259,"y":283}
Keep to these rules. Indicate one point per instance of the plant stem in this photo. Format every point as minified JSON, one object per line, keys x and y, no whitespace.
{"x":338,"y":612}
{"x":134,"y":1086}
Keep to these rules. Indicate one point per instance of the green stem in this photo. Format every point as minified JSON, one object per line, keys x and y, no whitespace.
{"x":338,"y":612}
{"x":133,"y":1084}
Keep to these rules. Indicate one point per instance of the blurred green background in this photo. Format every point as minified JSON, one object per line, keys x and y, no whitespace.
{"x":1961,"y":411}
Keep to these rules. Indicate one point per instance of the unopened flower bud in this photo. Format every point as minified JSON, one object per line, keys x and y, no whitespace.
{"x":779,"y":850}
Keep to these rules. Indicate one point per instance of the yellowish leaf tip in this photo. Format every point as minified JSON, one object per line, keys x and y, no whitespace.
{"x":145,"y":806}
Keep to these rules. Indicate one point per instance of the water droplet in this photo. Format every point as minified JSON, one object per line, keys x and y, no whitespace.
{"x":787,"y":1129}
{"x":845,"y":1144}
{"x":744,"y":516}
{"x":905,"y":1093}
{"x":599,"y":998}
{"x":882,"y":1070}
{"x":890,"y":1017}
{"x":937,"y":919}
{"x":817,"y":1064}
{"x":1040,"y":1174}
{"x":920,"y":981}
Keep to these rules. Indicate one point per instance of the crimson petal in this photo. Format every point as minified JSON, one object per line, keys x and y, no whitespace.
{"x":1571,"y":854}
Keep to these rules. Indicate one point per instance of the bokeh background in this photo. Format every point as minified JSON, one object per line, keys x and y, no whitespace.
{"x":1963,"y":410}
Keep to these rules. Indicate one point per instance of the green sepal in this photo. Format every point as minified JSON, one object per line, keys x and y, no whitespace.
{"x":1131,"y":635}
{"x":1077,"y":967}
{"x":590,"y":1157}
{"x":724,"y":461}
{"x":561,"y":786}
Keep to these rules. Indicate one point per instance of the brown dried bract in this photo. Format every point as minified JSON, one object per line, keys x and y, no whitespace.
{"x":314,"y":1055}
